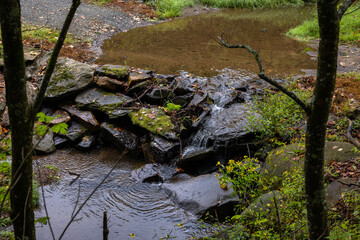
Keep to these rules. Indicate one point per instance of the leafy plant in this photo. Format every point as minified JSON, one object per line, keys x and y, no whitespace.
{"x":242,"y":177}
{"x":277,"y":116}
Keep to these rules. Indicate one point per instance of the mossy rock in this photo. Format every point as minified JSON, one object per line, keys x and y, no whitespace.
{"x":262,"y":205}
{"x":155,"y":121}
{"x":285,"y":158}
{"x":118,"y":72}
{"x":69,"y":78}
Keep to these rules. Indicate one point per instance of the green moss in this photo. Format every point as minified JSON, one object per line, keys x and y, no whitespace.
{"x":153,"y":120}
{"x":121,"y":72}
{"x":61,"y":81}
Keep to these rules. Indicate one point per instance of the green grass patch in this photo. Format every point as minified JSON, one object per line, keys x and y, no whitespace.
{"x":44,"y":33}
{"x":174,"y":8}
{"x":99,"y":2}
{"x":171,"y":8}
{"x":250,"y":3}
{"x":349,"y":28}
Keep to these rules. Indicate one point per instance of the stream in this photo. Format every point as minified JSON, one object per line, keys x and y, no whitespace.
{"x":132,"y":207}
{"x":144,"y":209}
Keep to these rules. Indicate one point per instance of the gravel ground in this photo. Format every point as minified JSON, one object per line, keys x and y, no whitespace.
{"x":91,"y":22}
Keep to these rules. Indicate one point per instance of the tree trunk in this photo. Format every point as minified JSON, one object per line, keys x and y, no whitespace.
{"x":318,"y":117}
{"x":22,"y":213}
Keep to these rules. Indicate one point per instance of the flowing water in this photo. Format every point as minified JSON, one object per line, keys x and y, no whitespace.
{"x":188,"y":43}
{"x":142,"y":208}
{"x":132,"y":207}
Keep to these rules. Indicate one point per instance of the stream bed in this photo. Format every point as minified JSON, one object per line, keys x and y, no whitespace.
{"x":132,"y":207}
{"x":144,"y":209}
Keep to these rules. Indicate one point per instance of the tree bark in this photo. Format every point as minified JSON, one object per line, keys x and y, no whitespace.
{"x":318,"y":117}
{"x":22,"y":213}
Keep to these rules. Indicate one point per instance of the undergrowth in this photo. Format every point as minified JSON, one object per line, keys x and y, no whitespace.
{"x":173,"y":8}
{"x":281,"y":214}
{"x":349,"y":28}
{"x":277,"y":116}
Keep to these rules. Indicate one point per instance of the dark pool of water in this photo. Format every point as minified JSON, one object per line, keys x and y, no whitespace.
{"x":188,"y":44}
{"x":140,"y":208}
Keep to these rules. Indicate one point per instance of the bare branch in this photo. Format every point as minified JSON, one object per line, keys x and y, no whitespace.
{"x":92,"y":193}
{"x":43,"y":197}
{"x":344,"y":7}
{"x":54,"y":55}
{"x":263,"y":76}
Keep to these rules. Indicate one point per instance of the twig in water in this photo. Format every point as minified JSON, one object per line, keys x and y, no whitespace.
{"x":92,"y":193}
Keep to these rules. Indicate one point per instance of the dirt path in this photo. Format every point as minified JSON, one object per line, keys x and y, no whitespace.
{"x":94,"y":23}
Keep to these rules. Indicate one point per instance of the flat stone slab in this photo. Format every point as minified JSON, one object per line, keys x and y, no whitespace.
{"x":100,"y":100}
{"x":199,"y":194}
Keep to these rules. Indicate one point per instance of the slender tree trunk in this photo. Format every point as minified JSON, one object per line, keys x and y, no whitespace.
{"x":318,"y":117}
{"x":22,"y":213}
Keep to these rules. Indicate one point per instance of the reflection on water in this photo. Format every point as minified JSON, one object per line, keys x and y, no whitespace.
{"x":133,"y":207}
{"x":188,"y":43}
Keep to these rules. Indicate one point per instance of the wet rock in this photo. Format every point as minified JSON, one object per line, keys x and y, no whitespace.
{"x":199,"y":162}
{"x":139,"y":77}
{"x":121,"y":138}
{"x":287,"y":157}
{"x":69,"y":78}
{"x":139,"y":88}
{"x":60,"y":141}
{"x":108,"y":103}
{"x":148,"y":173}
{"x":198,"y":99}
{"x":114,"y":71}
{"x":86,"y":142}
{"x":183,"y":86}
{"x":160,"y":150}
{"x":159,"y":94}
{"x":86,"y":118}
{"x":200,"y":194}
{"x":110,"y":84}
{"x":155,"y":121}
{"x":60,"y":116}
{"x":76,"y":131}
{"x":44,"y":144}
{"x":182,"y":100}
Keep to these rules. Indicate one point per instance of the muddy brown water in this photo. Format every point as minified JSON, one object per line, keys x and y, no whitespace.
{"x":188,"y":43}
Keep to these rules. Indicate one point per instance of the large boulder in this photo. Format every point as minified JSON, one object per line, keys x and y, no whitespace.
{"x":69,"y":78}
{"x":201,"y":194}
{"x":76,"y":131}
{"x":284,"y":158}
{"x":108,"y":103}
